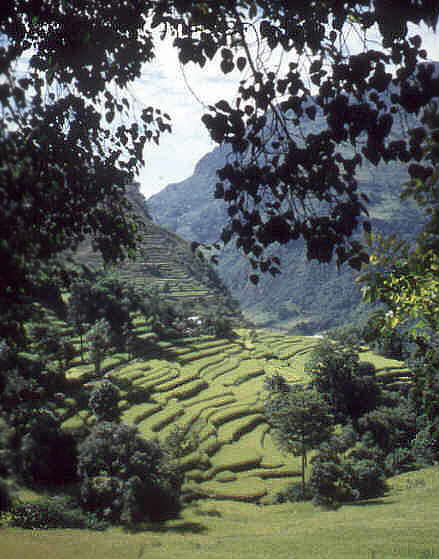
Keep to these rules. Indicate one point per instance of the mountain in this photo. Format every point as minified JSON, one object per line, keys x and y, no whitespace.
{"x":306,"y":296}
{"x":166,"y":262}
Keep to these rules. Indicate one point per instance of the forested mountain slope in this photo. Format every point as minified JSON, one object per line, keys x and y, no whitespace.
{"x":306,"y":295}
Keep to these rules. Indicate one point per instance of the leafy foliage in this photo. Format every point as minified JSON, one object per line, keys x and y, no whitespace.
{"x":98,"y":340}
{"x":104,"y":401}
{"x":336,"y":478}
{"x":283,"y":184}
{"x":68,"y":125}
{"x":301,"y":420}
{"x":404,"y":276}
{"x":57,"y":512}
{"x":389,"y":427}
{"x":49,"y":344}
{"x":125,"y":478}
{"x":5,"y":497}
{"x":350,"y":388}
{"x":96,"y":295}
{"x":45,"y":455}
{"x":64,"y":166}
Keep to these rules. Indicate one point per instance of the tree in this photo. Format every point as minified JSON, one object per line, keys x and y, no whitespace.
{"x":45,"y":455}
{"x":349,"y":386}
{"x":104,"y":401}
{"x":69,"y":143}
{"x":98,"y":339}
{"x":279,"y":183}
{"x":102,"y":295}
{"x":404,"y":276}
{"x":390,"y":427}
{"x":125,"y":478}
{"x":301,"y":420}
{"x":50,"y":345}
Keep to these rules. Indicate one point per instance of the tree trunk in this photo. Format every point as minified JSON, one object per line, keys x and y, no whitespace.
{"x":303,"y":467}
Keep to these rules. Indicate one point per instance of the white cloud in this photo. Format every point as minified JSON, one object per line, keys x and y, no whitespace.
{"x":182,"y":94}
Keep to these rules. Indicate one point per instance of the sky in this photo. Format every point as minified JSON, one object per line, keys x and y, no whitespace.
{"x":183,"y":93}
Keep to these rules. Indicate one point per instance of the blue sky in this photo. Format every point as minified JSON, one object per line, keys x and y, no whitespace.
{"x":165,"y":85}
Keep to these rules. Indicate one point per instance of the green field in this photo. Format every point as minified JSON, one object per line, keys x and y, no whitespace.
{"x":401,"y":525}
{"x":215,"y":387}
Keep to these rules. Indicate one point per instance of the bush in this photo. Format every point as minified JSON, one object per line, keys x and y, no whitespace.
{"x":357,"y":475}
{"x":5,"y":497}
{"x":365,"y":478}
{"x":295,"y":493}
{"x":347,"y":334}
{"x":46,"y":454}
{"x":425,"y":446}
{"x":104,"y":401}
{"x":220,"y":327}
{"x":124,"y":478}
{"x":57,"y":512}
{"x":399,"y":461}
{"x":390,"y":427}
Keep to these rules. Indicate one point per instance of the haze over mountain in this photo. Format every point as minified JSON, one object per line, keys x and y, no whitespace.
{"x":306,"y":296}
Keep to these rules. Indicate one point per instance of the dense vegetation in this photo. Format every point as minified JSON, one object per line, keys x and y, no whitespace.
{"x":379,"y":432}
{"x":81,"y":397}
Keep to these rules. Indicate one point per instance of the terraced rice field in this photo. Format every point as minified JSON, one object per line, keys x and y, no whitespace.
{"x":214,"y":388}
{"x":166,"y":262}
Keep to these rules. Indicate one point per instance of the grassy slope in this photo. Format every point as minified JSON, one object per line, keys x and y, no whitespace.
{"x":220,"y":382}
{"x":216,"y":387}
{"x":402,"y":525}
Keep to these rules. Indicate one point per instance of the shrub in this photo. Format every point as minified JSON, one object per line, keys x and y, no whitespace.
{"x":6,"y":454}
{"x":276,"y":383}
{"x":399,"y":461}
{"x":365,"y":478}
{"x":181,"y":441}
{"x":57,"y":512}
{"x":104,"y":401}
{"x":336,"y":478}
{"x":296,"y":493}
{"x":220,"y":327}
{"x":124,"y":478}
{"x":347,"y":334}
{"x":46,"y":454}
{"x":425,"y":446}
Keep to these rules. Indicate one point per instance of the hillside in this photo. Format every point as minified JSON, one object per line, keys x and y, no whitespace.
{"x":214,"y":389}
{"x":307,"y":297}
{"x":164,"y":261}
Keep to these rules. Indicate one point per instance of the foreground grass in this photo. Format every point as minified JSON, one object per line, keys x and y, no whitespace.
{"x":401,"y":525}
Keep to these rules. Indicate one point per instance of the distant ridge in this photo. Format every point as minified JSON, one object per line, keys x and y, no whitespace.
{"x":306,"y":297}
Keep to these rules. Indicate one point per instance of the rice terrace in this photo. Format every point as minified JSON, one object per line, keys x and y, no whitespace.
{"x":214,"y":388}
